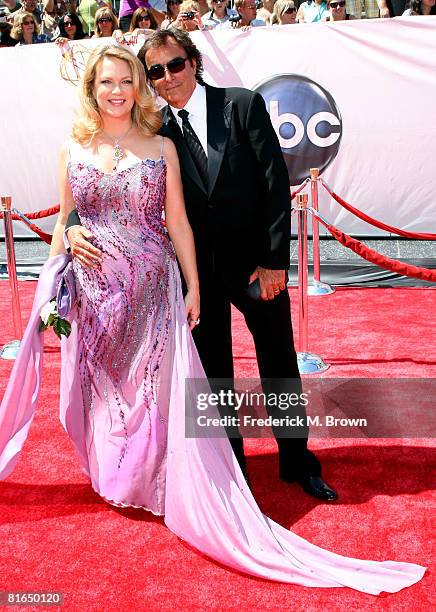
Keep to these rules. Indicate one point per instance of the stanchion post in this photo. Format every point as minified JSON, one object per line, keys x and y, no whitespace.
{"x":302,"y":271}
{"x":314,"y":174}
{"x":317,"y":288}
{"x":10,"y":350}
{"x":308,"y":363}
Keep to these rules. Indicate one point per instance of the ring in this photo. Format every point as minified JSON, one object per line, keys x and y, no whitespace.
{"x":276,"y":291}
{"x":197,"y":322}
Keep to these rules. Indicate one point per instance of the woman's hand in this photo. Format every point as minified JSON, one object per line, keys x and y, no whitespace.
{"x":61,"y":40}
{"x":119,"y":36}
{"x":197,"y":20}
{"x":133,"y":37}
{"x":192,"y":305}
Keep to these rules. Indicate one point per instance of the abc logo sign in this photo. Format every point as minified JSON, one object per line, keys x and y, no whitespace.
{"x":306,"y":120}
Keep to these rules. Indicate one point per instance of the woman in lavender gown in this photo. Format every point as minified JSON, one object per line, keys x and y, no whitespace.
{"x":130,"y":351}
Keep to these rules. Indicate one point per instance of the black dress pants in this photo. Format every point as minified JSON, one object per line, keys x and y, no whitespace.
{"x":271,"y":327}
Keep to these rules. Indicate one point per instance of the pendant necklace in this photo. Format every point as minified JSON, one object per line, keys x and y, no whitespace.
{"x":118,"y":149}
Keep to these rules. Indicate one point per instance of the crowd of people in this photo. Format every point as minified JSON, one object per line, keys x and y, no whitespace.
{"x":24,"y":22}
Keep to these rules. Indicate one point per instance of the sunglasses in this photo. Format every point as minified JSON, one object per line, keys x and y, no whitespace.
{"x":157,"y":71}
{"x":28,"y":23}
{"x":68,"y":24}
{"x":104,"y":20}
{"x":290,"y":11}
{"x":174,"y":2}
{"x":341,"y":3}
{"x":144,"y":18}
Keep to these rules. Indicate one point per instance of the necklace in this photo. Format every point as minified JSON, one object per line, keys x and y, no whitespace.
{"x":118,"y":149}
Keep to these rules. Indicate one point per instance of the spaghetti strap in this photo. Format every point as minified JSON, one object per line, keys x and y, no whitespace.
{"x":161,"y":147}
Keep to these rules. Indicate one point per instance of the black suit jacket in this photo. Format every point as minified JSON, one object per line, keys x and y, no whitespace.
{"x":243,"y":218}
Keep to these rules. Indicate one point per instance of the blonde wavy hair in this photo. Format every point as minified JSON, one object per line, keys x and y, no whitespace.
{"x":17,"y":28}
{"x":146,"y":117}
{"x":279,"y":8}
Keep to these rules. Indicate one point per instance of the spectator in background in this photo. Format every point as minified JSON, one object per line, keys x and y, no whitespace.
{"x":218,"y":15}
{"x":52,"y":12}
{"x":128,"y":8}
{"x":189,"y":17}
{"x":173,"y":8}
{"x":6,"y":39}
{"x":369,"y":7}
{"x":312,"y":11}
{"x":204,"y":7}
{"x":105,"y":23}
{"x":284,"y":13}
{"x":246,"y":10}
{"x":70,"y":28}
{"x":30,"y":6}
{"x":266,"y":11}
{"x":11,"y":7}
{"x":26,"y":30}
{"x":87,"y":10}
{"x":337,"y":10}
{"x":143,"y":19}
{"x":142,"y":22}
{"x":420,"y":7}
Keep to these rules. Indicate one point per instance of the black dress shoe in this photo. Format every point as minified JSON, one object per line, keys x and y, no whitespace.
{"x":315,"y":486}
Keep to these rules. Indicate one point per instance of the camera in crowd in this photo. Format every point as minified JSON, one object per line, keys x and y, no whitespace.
{"x":189,"y":15}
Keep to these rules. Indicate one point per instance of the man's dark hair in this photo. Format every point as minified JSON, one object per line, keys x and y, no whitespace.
{"x":182,"y":38}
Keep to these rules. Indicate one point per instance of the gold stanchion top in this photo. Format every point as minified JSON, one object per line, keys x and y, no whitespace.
{"x":314,"y":173}
{"x":6,"y":203}
{"x":302,"y":199}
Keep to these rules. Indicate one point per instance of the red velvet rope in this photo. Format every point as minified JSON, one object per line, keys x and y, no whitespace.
{"x":379,"y":224}
{"x":380,"y":260}
{"x":40,"y":214}
{"x":45,"y":237}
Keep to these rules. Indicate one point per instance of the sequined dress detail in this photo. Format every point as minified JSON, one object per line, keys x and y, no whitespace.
{"x":124,"y":318}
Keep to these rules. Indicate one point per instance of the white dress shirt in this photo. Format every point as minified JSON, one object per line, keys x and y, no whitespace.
{"x":197,"y":110}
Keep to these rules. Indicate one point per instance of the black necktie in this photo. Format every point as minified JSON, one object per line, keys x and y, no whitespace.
{"x":194,"y":145}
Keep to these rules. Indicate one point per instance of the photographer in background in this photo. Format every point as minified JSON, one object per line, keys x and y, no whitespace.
{"x":189,"y":17}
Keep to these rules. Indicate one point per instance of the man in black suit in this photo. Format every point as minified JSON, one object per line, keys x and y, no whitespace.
{"x":236,"y":191}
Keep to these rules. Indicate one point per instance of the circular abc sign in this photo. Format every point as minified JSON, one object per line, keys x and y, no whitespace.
{"x":306,"y":120}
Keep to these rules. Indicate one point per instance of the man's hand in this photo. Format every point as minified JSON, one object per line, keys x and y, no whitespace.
{"x":81,"y":249}
{"x":271,"y":282}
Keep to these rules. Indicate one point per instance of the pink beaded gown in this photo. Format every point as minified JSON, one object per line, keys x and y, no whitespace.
{"x":123,"y":395}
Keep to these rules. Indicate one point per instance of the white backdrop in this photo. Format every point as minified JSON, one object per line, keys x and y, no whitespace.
{"x":381,"y":73}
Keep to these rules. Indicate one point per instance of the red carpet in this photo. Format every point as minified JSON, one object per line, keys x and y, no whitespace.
{"x":57,"y":535}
